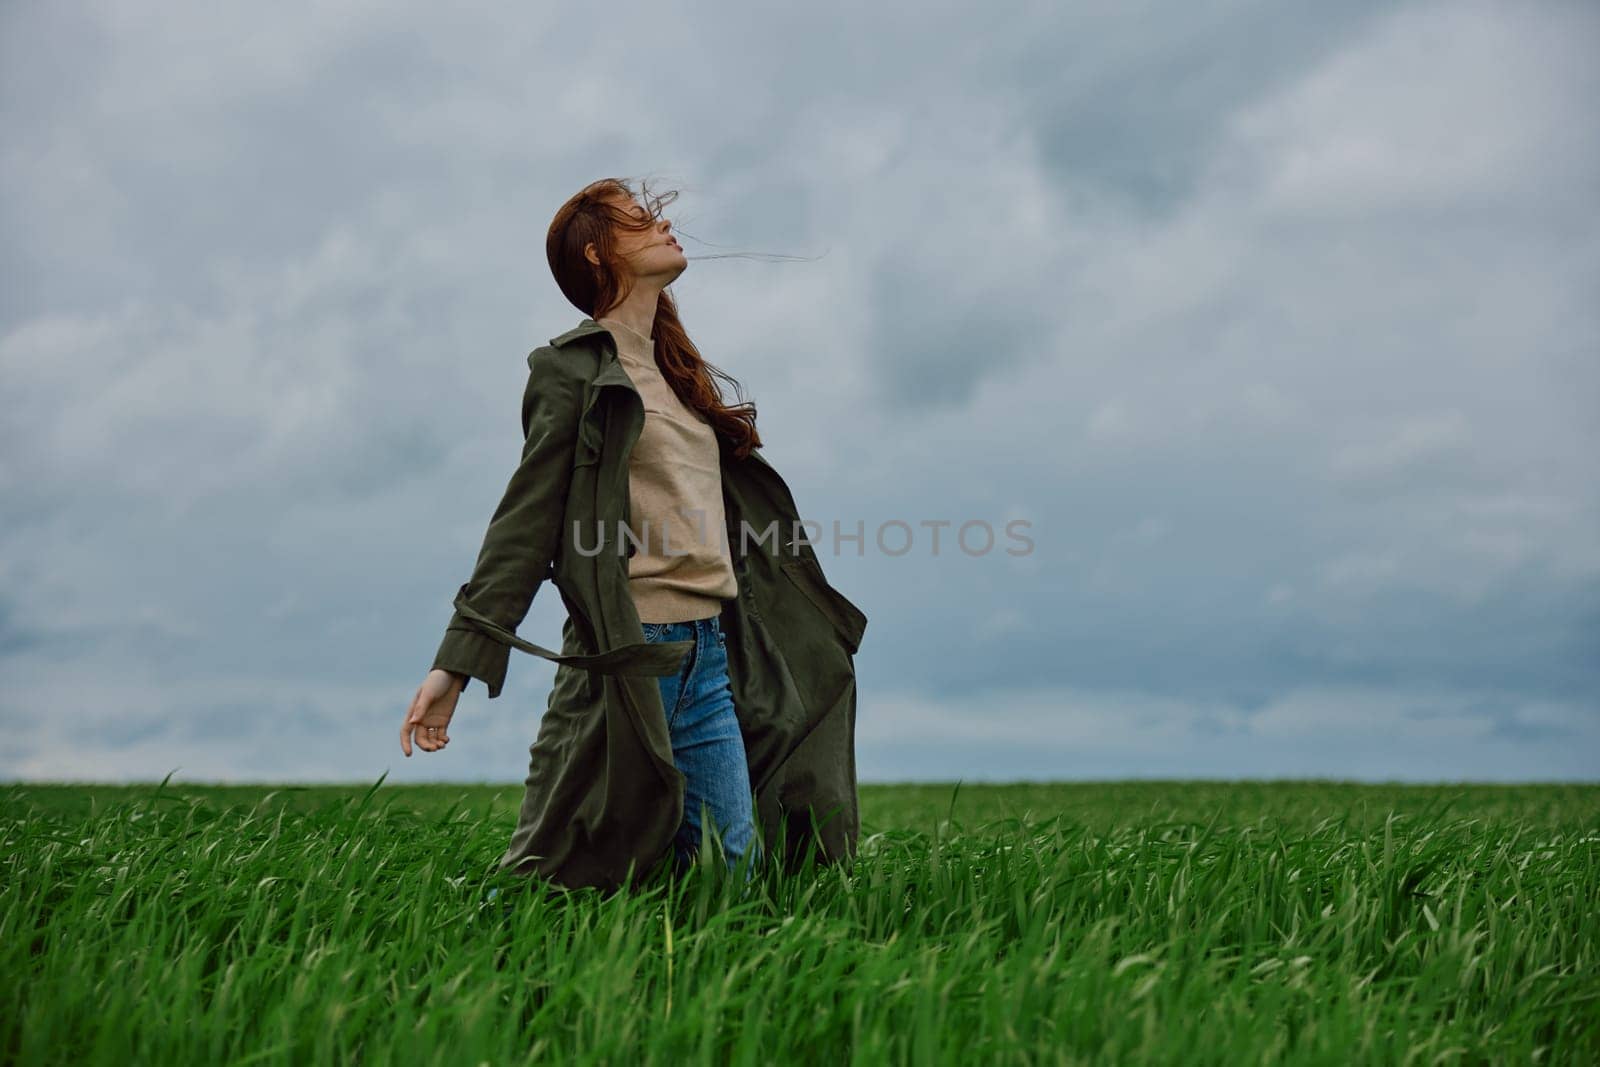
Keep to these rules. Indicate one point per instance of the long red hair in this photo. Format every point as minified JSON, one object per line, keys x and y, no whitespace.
{"x":594,"y":215}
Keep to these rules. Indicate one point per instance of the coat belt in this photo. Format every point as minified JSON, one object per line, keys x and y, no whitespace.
{"x":640,"y":658}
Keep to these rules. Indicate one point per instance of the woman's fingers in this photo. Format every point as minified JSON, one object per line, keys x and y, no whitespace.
{"x":429,"y":738}
{"x":413,"y":729}
{"x":408,"y":724}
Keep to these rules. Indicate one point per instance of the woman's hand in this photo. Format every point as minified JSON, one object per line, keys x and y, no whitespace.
{"x":429,"y":715}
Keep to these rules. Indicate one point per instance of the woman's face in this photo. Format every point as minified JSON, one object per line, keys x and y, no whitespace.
{"x":651,"y":251}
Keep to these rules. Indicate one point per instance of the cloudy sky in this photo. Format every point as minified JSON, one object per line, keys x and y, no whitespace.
{"x":1277,"y":323}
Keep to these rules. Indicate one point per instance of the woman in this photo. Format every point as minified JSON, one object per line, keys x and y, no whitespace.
{"x":595,"y":772}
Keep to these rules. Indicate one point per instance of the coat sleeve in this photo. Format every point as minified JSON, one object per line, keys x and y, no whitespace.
{"x":525,"y":530}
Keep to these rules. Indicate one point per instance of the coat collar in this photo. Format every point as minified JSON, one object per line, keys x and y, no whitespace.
{"x":611,"y":372}
{"x":587,"y":326}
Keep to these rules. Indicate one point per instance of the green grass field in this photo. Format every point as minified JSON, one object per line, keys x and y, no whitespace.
{"x":1183,"y":923}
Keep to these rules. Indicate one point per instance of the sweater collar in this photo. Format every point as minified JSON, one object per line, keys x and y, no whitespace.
{"x":583,"y":329}
{"x":629,"y":334}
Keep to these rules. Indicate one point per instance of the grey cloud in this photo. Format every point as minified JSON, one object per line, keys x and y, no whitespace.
{"x":1129,"y":101}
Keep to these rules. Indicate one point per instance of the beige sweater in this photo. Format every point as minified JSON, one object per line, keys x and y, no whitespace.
{"x":682,"y":569}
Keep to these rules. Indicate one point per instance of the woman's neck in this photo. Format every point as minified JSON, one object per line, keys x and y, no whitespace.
{"x":637,"y":315}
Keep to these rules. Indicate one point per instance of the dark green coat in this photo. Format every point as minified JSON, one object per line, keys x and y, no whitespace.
{"x":603,"y":795}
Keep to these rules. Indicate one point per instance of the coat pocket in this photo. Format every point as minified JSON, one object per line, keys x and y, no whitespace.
{"x":846,"y":618}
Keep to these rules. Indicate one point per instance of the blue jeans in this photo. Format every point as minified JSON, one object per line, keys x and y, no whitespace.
{"x":706,"y":743}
